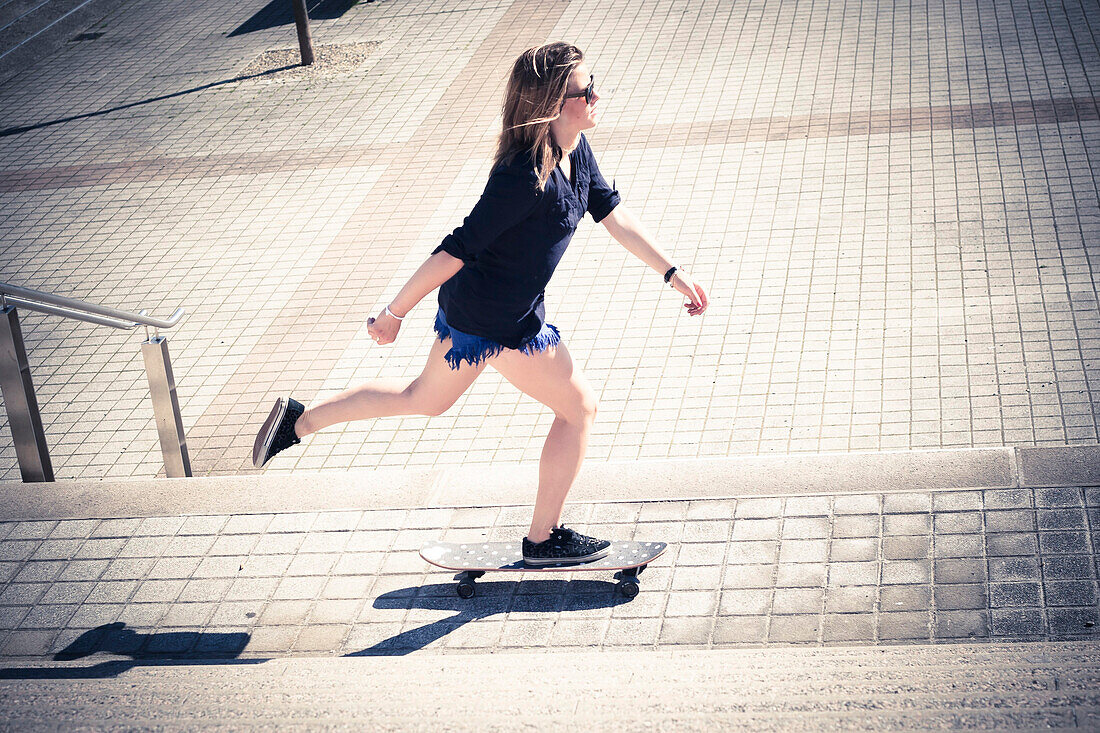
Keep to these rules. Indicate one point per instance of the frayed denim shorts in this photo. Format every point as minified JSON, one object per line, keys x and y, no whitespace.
{"x":476,"y":349}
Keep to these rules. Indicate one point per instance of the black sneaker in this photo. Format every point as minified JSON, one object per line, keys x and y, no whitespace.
{"x":277,"y":434}
{"x":564,"y":546}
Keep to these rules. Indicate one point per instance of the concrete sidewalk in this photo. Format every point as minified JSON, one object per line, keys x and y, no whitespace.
{"x":883,"y":568}
{"x":1046,"y":686}
{"x":894,"y":208}
{"x":883,"y":432}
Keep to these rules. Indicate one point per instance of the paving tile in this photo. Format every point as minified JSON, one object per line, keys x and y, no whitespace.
{"x":767,"y":508}
{"x":963,"y":570}
{"x":756,"y":529}
{"x":961,"y":624}
{"x":1066,"y":567}
{"x":579,"y":632}
{"x":904,"y":626}
{"x":911,"y":597}
{"x":794,"y":629}
{"x":958,"y":545}
{"x":247,"y":524}
{"x":749,"y":576}
{"x":31,"y":530}
{"x":753,"y":552}
{"x":745,"y":602}
{"x":907,"y":503}
{"x":1061,"y":519}
{"x":1011,"y":543}
{"x":906,"y":548}
{"x":905,"y":572}
{"x":1073,"y":620}
{"x":1014,"y":594}
{"x":192,"y":615}
{"x":28,"y":642}
{"x":1051,"y":543}
{"x":1008,"y":499}
{"x":91,"y":615}
{"x":958,"y":523}
{"x":740,"y":630}
{"x":692,"y":630}
{"x":39,"y":572}
{"x":857,"y":504}
{"x":850,"y":599}
{"x":848,"y":627}
{"x":74,"y":529}
{"x":159,"y":526}
{"x":956,"y":501}
{"x":1013,"y":568}
{"x":907,"y":524}
{"x":632,"y":632}
{"x":798,"y":528}
{"x":798,"y":600}
{"x":856,"y":526}
{"x":1017,"y":622}
{"x":1070,"y":593}
{"x":204,"y":589}
{"x":806,"y":506}
{"x":854,"y":573}
{"x":1059,"y":497}
{"x":794,"y":551}
{"x":47,"y":616}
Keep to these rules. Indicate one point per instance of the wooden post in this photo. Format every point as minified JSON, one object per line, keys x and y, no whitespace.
{"x":305,"y":40}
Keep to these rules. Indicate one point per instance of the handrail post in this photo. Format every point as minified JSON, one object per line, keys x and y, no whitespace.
{"x":166,"y":407}
{"x":20,"y":402}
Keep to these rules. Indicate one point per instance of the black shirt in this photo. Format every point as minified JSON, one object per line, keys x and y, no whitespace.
{"x":511,"y":243}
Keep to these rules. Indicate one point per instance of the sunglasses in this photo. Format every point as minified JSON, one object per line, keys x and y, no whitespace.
{"x":588,"y":92}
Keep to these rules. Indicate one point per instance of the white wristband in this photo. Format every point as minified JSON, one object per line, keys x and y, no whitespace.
{"x":391,"y":315}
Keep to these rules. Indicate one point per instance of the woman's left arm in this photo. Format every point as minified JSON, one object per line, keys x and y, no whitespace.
{"x":629,"y":232}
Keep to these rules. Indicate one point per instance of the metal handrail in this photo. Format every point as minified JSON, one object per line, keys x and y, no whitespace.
{"x":36,"y":300}
{"x":17,"y":388}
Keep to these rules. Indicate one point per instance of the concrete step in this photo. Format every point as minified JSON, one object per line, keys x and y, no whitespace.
{"x":988,"y":686}
{"x":514,"y":484}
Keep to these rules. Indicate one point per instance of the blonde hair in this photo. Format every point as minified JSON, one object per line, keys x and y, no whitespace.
{"x":533,"y":98}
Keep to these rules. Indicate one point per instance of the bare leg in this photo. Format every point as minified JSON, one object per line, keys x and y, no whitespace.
{"x":432,"y":393}
{"x":551,"y":378}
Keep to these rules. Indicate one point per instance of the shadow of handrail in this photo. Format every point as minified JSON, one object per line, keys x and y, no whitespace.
{"x":143,"y":650}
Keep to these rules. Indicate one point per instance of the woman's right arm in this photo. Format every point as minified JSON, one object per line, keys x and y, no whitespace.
{"x":436,"y":270}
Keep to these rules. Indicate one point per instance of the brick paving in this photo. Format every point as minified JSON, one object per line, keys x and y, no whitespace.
{"x":894,"y":208}
{"x":911,"y":567}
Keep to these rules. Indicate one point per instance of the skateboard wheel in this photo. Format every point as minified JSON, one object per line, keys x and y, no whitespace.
{"x":628,"y":588}
{"x":466,"y":589}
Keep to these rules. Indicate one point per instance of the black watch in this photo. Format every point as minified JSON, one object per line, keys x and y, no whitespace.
{"x":668,"y":275}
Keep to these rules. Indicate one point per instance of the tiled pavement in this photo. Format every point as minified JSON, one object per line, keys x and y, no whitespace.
{"x":894,"y":206}
{"x":910,"y":567}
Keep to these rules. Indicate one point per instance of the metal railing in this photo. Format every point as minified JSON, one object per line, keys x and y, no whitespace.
{"x":18,"y":390}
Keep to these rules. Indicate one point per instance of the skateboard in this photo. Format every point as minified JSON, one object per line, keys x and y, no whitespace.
{"x":475,"y":559}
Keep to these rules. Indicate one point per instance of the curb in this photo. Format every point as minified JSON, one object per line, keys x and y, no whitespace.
{"x":661,"y":480}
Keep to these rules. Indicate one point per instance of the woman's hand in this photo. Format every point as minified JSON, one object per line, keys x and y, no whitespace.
{"x":693,"y":291}
{"x":384,"y":328}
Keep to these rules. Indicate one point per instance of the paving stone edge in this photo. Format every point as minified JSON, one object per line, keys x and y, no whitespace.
{"x":659,"y":480}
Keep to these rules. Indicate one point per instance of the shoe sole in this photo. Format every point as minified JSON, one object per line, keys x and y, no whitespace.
{"x":541,"y":561}
{"x":267,"y":432}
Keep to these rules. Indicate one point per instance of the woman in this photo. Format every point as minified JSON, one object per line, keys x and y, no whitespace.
{"x":491,"y":273}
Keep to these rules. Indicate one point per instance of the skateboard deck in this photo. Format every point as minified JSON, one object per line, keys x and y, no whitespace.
{"x":475,"y":559}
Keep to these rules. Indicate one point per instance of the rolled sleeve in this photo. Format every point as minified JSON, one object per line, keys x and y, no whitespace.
{"x":509,"y":197}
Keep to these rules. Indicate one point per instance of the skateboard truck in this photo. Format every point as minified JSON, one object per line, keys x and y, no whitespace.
{"x":466,"y":582}
{"x":628,"y":580}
